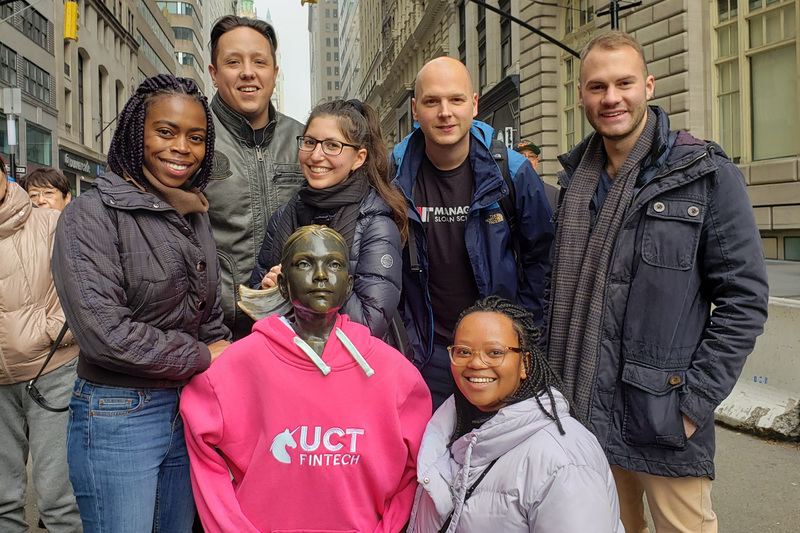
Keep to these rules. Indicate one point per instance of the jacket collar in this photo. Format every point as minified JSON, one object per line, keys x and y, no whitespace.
{"x":116,"y":192}
{"x":15,"y":209}
{"x":238,"y":125}
{"x":489,"y":181}
{"x":660,"y":151}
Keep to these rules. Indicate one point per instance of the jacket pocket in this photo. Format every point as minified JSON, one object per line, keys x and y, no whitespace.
{"x":671,"y":232}
{"x":651,"y":411}
{"x":287,"y":179}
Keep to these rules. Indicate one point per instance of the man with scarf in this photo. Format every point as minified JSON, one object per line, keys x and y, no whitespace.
{"x":654,"y":228}
{"x":461,"y":246}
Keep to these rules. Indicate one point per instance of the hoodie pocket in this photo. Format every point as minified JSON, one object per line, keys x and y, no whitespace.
{"x":651,"y":411}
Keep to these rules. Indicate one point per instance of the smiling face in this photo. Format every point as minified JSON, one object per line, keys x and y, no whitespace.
{"x":614,"y":91}
{"x":174,"y":138}
{"x":444,"y":104}
{"x":315,"y":276}
{"x":322,"y":170}
{"x":482,"y":385}
{"x":244,"y":73}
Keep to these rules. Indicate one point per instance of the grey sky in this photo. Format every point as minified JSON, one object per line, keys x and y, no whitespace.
{"x":291,"y":23}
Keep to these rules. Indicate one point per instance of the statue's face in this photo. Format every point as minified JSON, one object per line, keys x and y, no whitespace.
{"x":315,"y":278}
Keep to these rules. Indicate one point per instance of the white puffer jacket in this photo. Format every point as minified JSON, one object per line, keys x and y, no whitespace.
{"x":542,"y":482}
{"x":30,"y":314}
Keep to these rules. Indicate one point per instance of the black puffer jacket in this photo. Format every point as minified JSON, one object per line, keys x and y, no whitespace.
{"x":139,"y":285}
{"x":375,"y":264}
{"x":688,"y":241}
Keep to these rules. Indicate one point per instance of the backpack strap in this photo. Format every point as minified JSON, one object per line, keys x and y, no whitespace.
{"x":508,"y":203}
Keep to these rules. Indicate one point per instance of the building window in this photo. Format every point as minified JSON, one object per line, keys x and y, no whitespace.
{"x":756,"y":79}
{"x":335,"y":71}
{"x":327,"y":56}
{"x":482,"y":74}
{"x":336,"y":85}
{"x":578,"y":13}
{"x":328,"y":71}
{"x":8,"y":65}
{"x":505,"y":39}
{"x":36,"y":81}
{"x":327,"y":41}
{"x":462,"y":32}
{"x":335,"y":41}
{"x":330,"y":85}
{"x":576,"y":127}
{"x":39,"y":147}
{"x":34,"y":25}
{"x":336,"y":56}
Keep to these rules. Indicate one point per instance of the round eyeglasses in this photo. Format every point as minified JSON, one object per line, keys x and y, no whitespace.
{"x":329,"y":146}
{"x":491,"y":354}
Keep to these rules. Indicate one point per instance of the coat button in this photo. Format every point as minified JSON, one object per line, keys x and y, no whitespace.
{"x":201,"y":305}
{"x":674,"y":380}
{"x":156,"y":206}
{"x":659,"y":207}
{"x":693,"y":211}
{"x":201,"y":266}
{"x":426,"y":480}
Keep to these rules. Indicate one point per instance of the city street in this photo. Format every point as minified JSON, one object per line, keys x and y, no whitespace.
{"x":757,"y":489}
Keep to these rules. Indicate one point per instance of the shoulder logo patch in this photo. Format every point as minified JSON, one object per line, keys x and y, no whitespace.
{"x":222,"y":166}
{"x":387,"y":261}
{"x":494,"y":218}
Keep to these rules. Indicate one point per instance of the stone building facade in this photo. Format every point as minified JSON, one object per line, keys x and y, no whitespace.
{"x":725,"y":70}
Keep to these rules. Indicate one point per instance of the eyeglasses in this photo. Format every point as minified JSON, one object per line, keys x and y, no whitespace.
{"x":491,"y":354}
{"x":47,"y":194}
{"x":329,"y":146}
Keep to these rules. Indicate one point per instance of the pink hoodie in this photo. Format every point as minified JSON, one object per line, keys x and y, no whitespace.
{"x":305,"y":451}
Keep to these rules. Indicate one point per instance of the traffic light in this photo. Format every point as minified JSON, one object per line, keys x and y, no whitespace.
{"x":71,"y":20}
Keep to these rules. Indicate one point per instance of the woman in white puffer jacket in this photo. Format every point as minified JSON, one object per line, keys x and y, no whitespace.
{"x":503,"y":453}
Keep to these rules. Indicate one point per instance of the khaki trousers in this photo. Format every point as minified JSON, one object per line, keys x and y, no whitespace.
{"x":677,"y":505}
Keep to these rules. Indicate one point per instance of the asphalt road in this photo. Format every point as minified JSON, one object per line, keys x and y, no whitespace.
{"x":757,"y":489}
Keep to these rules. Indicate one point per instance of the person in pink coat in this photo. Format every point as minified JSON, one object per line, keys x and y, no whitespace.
{"x":308,"y":423}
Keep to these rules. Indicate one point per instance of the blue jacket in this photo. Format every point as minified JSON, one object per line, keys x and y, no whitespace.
{"x":487,"y":235}
{"x":374,"y":264}
{"x":688,"y":241}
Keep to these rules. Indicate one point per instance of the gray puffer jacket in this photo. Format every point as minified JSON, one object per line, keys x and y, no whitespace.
{"x":543,"y":482}
{"x":139,"y":284}
{"x":248,"y":184}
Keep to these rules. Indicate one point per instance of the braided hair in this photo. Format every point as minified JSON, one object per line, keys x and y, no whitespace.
{"x":361,"y":126}
{"x":126,"y":153}
{"x":541,"y":378}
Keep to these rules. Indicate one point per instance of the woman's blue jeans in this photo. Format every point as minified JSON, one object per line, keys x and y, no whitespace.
{"x":127,"y":460}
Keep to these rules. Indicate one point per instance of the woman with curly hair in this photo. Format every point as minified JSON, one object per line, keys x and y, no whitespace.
{"x":503,"y":453}
{"x":136,"y":270}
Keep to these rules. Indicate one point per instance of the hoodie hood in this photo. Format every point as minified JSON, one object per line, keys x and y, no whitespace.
{"x":339,"y":355}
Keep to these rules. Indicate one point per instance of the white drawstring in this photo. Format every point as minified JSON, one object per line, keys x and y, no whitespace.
{"x":317,"y":360}
{"x":354,"y":352}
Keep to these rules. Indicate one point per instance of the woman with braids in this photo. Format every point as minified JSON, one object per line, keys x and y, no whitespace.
{"x":503,"y":453}
{"x":136,"y":270}
{"x":344,"y":160}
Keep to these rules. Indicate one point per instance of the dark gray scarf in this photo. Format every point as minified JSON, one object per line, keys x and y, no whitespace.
{"x":581,"y":264}
{"x":336,"y":207}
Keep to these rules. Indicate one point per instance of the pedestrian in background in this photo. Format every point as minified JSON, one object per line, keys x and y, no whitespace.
{"x":344,"y":161}
{"x":503,"y":453}
{"x":655,"y":230}
{"x":255,"y":161}
{"x":137,"y":272}
{"x":30,"y":322}
{"x":47,"y":187}
{"x":532,"y":153}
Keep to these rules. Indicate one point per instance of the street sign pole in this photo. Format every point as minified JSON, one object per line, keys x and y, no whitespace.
{"x":12,"y":105}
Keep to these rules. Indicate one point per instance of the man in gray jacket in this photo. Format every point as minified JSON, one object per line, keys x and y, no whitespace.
{"x":255,"y":158}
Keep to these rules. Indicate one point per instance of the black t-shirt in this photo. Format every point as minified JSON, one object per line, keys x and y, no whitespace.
{"x":443,"y":198}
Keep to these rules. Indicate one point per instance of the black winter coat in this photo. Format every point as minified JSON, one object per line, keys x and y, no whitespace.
{"x":139,"y":284}
{"x":688,"y":241}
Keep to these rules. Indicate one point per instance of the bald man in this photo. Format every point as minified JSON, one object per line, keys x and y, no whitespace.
{"x":460,"y":247}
